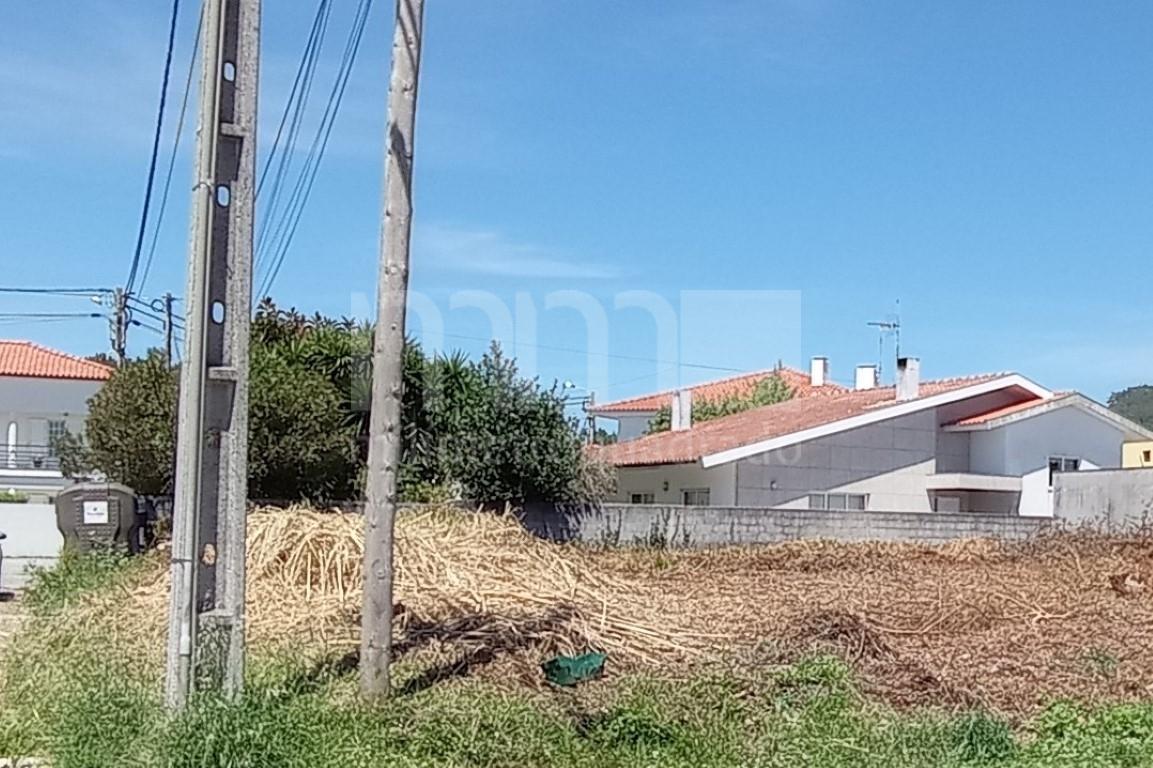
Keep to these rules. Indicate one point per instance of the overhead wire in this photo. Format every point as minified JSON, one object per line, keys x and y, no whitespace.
{"x":302,"y":84}
{"x":175,"y":150}
{"x":131,"y":282}
{"x":57,"y":291}
{"x":610,"y":355}
{"x":305,"y":181}
{"x":295,"y":108}
{"x":48,"y":315}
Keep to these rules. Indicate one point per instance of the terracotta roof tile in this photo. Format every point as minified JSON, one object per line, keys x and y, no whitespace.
{"x":739,"y":386}
{"x":765,"y":423}
{"x":1008,"y":410}
{"x":24,"y":358}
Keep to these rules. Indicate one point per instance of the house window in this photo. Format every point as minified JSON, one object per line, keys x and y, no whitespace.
{"x":840,"y":502}
{"x":1062,"y":464}
{"x":642,"y":498}
{"x":1147,"y":456}
{"x":57,"y":429}
{"x":695,"y":497}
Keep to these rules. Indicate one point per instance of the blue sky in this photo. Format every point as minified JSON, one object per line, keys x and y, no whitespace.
{"x":776,"y":172}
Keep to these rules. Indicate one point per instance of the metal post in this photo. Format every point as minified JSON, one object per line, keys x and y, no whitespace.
{"x":168,"y":330}
{"x":388,"y":353}
{"x":206,"y":623}
{"x":590,"y":401}
{"x":119,"y":324}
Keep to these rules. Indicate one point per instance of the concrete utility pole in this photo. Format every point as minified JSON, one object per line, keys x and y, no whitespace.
{"x":119,"y":324}
{"x":168,"y":330}
{"x":206,"y":623}
{"x":388,"y":353}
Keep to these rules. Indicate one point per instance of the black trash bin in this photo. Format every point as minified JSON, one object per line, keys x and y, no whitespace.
{"x":100,"y":516}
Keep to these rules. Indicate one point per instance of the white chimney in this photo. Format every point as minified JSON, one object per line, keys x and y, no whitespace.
{"x":819,"y":371}
{"x":682,"y":417}
{"x":908,"y":378}
{"x":866,"y":377}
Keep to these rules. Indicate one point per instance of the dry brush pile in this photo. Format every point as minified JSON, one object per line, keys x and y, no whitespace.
{"x":1007,"y":626}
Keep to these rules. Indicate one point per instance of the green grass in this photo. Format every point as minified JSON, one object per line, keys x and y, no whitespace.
{"x":83,"y":703}
{"x":51,"y":590}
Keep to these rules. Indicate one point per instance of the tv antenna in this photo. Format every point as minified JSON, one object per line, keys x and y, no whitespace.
{"x":890,"y":326}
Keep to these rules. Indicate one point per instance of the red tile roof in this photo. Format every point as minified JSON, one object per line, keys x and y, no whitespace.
{"x":734,"y":386}
{"x":23,"y":358}
{"x":983,"y":418}
{"x":764,"y":423}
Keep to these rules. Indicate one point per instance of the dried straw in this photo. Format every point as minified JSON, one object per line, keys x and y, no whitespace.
{"x":1009,"y":626}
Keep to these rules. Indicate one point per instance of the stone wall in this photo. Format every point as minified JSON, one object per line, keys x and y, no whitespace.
{"x":641,"y":525}
{"x":1105,"y":498}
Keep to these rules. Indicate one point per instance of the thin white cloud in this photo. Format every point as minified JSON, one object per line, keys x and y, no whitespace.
{"x":491,"y":253}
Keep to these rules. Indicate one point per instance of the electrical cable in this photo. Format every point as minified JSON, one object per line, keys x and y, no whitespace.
{"x":175,"y":148}
{"x":268,"y":212}
{"x":58,"y":291}
{"x":47,"y":315}
{"x":304,"y":72}
{"x":307,"y":179}
{"x":155,"y":148}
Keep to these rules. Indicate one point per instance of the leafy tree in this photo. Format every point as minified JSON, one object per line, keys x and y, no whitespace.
{"x":300,"y":444}
{"x":469,"y":429}
{"x":500,"y":436}
{"x":1134,"y":403}
{"x":130,"y":434}
{"x":770,"y":390}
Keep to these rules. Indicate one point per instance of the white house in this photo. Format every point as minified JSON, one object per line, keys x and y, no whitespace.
{"x":988,"y":443}
{"x":634,"y":414}
{"x":43,"y":394}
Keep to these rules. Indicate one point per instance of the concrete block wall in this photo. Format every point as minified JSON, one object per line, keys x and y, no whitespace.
{"x":1110,"y":498}
{"x":628,"y":525}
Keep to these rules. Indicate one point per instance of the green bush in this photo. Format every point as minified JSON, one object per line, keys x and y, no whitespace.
{"x":473,"y":426}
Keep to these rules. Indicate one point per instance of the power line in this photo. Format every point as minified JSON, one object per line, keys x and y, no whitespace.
{"x":47,"y":315}
{"x":150,"y":309}
{"x":58,"y":291}
{"x":296,"y":106}
{"x":155,"y":147}
{"x":175,"y":149}
{"x":302,"y":84}
{"x":307,"y":178}
{"x":634,"y":358}
{"x":547,"y":347}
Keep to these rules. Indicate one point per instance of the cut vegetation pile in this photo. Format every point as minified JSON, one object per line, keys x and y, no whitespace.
{"x":469,"y":587}
{"x":1010,"y":627}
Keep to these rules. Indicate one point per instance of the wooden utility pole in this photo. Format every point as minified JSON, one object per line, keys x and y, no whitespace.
{"x":206,"y":621}
{"x":388,"y":353}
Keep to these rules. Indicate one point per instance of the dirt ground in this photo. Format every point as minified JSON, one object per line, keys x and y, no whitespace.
{"x":1010,"y":627}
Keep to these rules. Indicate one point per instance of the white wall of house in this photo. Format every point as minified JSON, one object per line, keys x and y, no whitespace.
{"x":30,"y":403}
{"x":630,"y":426}
{"x":1022,"y":448}
{"x":1065,"y":432}
{"x":888,"y":461}
{"x":668,"y":482}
